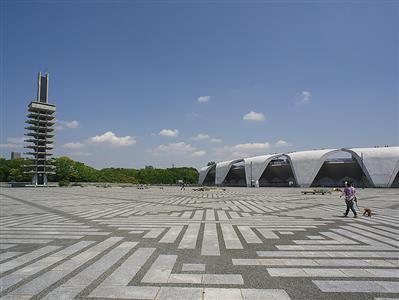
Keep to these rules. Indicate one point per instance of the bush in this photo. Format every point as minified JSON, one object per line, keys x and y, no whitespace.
{"x":63,"y":183}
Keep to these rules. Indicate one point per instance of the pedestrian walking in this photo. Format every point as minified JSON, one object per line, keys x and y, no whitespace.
{"x":350,"y":198}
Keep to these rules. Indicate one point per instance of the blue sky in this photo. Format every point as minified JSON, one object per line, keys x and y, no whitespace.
{"x":167,"y":83}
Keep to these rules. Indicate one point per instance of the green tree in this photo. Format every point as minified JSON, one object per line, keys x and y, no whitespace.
{"x":68,"y":170}
{"x":64,"y":169}
{"x":13,"y":170}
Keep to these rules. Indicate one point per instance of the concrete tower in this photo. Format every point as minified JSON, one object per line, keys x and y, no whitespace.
{"x":40,"y":135}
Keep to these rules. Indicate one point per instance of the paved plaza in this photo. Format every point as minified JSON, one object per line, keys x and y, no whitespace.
{"x":241,"y":243}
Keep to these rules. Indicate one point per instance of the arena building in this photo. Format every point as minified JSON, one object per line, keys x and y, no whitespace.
{"x":365,"y":167}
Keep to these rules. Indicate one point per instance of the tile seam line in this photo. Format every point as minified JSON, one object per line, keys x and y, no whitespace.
{"x":61,"y":213}
{"x":87,"y":264}
{"x":124,"y":199}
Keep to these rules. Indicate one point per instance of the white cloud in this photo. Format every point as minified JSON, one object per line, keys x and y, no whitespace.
{"x":222,"y":152}
{"x":13,"y":143}
{"x":180,"y":148}
{"x":72,"y":124}
{"x":251,"y":147}
{"x":200,"y":137}
{"x":241,"y":150}
{"x":282,"y":143}
{"x":254,"y":116}
{"x":14,"y":140}
{"x":204,"y":99}
{"x":10,"y":146}
{"x":246,"y":150}
{"x":73,"y":146}
{"x":204,"y":136}
{"x":214,"y":140}
{"x":169,"y":132}
{"x":68,"y":124}
{"x":110,"y":138}
{"x":198,"y":153}
{"x":79,"y":153}
{"x":304,"y":97}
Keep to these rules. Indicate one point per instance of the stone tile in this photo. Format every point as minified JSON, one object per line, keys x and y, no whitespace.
{"x":286,"y":272}
{"x":268,"y":234}
{"x":249,"y":236}
{"x":222,"y":279}
{"x":347,"y":286}
{"x":10,"y":280}
{"x":20,"y":260}
{"x":16,"y":297}
{"x":222,"y":294}
{"x":246,"y":262}
{"x":393,"y":273}
{"x":315,"y":237}
{"x":171,"y":235}
{"x":160,"y":269}
{"x":190,"y":237}
{"x":125,"y":272}
{"x":230,"y":237}
{"x":210,"y":242}
{"x":324,"y":272}
{"x":381,"y":263}
{"x":129,"y":292}
{"x":63,"y":293}
{"x":39,"y":283}
{"x":193,"y":268}
{"x":390,"y":286}
{"x":7,"y":255}
{"x":180,"y":293}
{"x":356,"y":272}
{"x":264,"y":294}
{"x":185,"y":278}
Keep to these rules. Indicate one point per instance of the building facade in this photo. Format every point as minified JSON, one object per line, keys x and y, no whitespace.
{"x":15,"y":155}
{"x":40,"y":133}
{"x":365,"y":167}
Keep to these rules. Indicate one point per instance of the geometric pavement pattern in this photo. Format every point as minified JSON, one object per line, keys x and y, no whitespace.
{"x":165,"y":243}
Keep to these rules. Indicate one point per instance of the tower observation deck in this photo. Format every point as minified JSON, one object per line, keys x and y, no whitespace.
{"x":40,"y":133}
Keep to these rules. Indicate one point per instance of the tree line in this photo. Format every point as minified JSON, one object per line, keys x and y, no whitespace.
{"x":68,"y":170}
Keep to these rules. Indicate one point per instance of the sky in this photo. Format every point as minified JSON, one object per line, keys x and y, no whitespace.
{"x":184,"y":83}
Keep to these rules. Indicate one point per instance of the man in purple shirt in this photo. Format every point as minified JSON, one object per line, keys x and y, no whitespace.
{"x":350,"y":198}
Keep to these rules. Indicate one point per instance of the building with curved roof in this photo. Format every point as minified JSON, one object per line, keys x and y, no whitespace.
{"x":365,"y":167}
